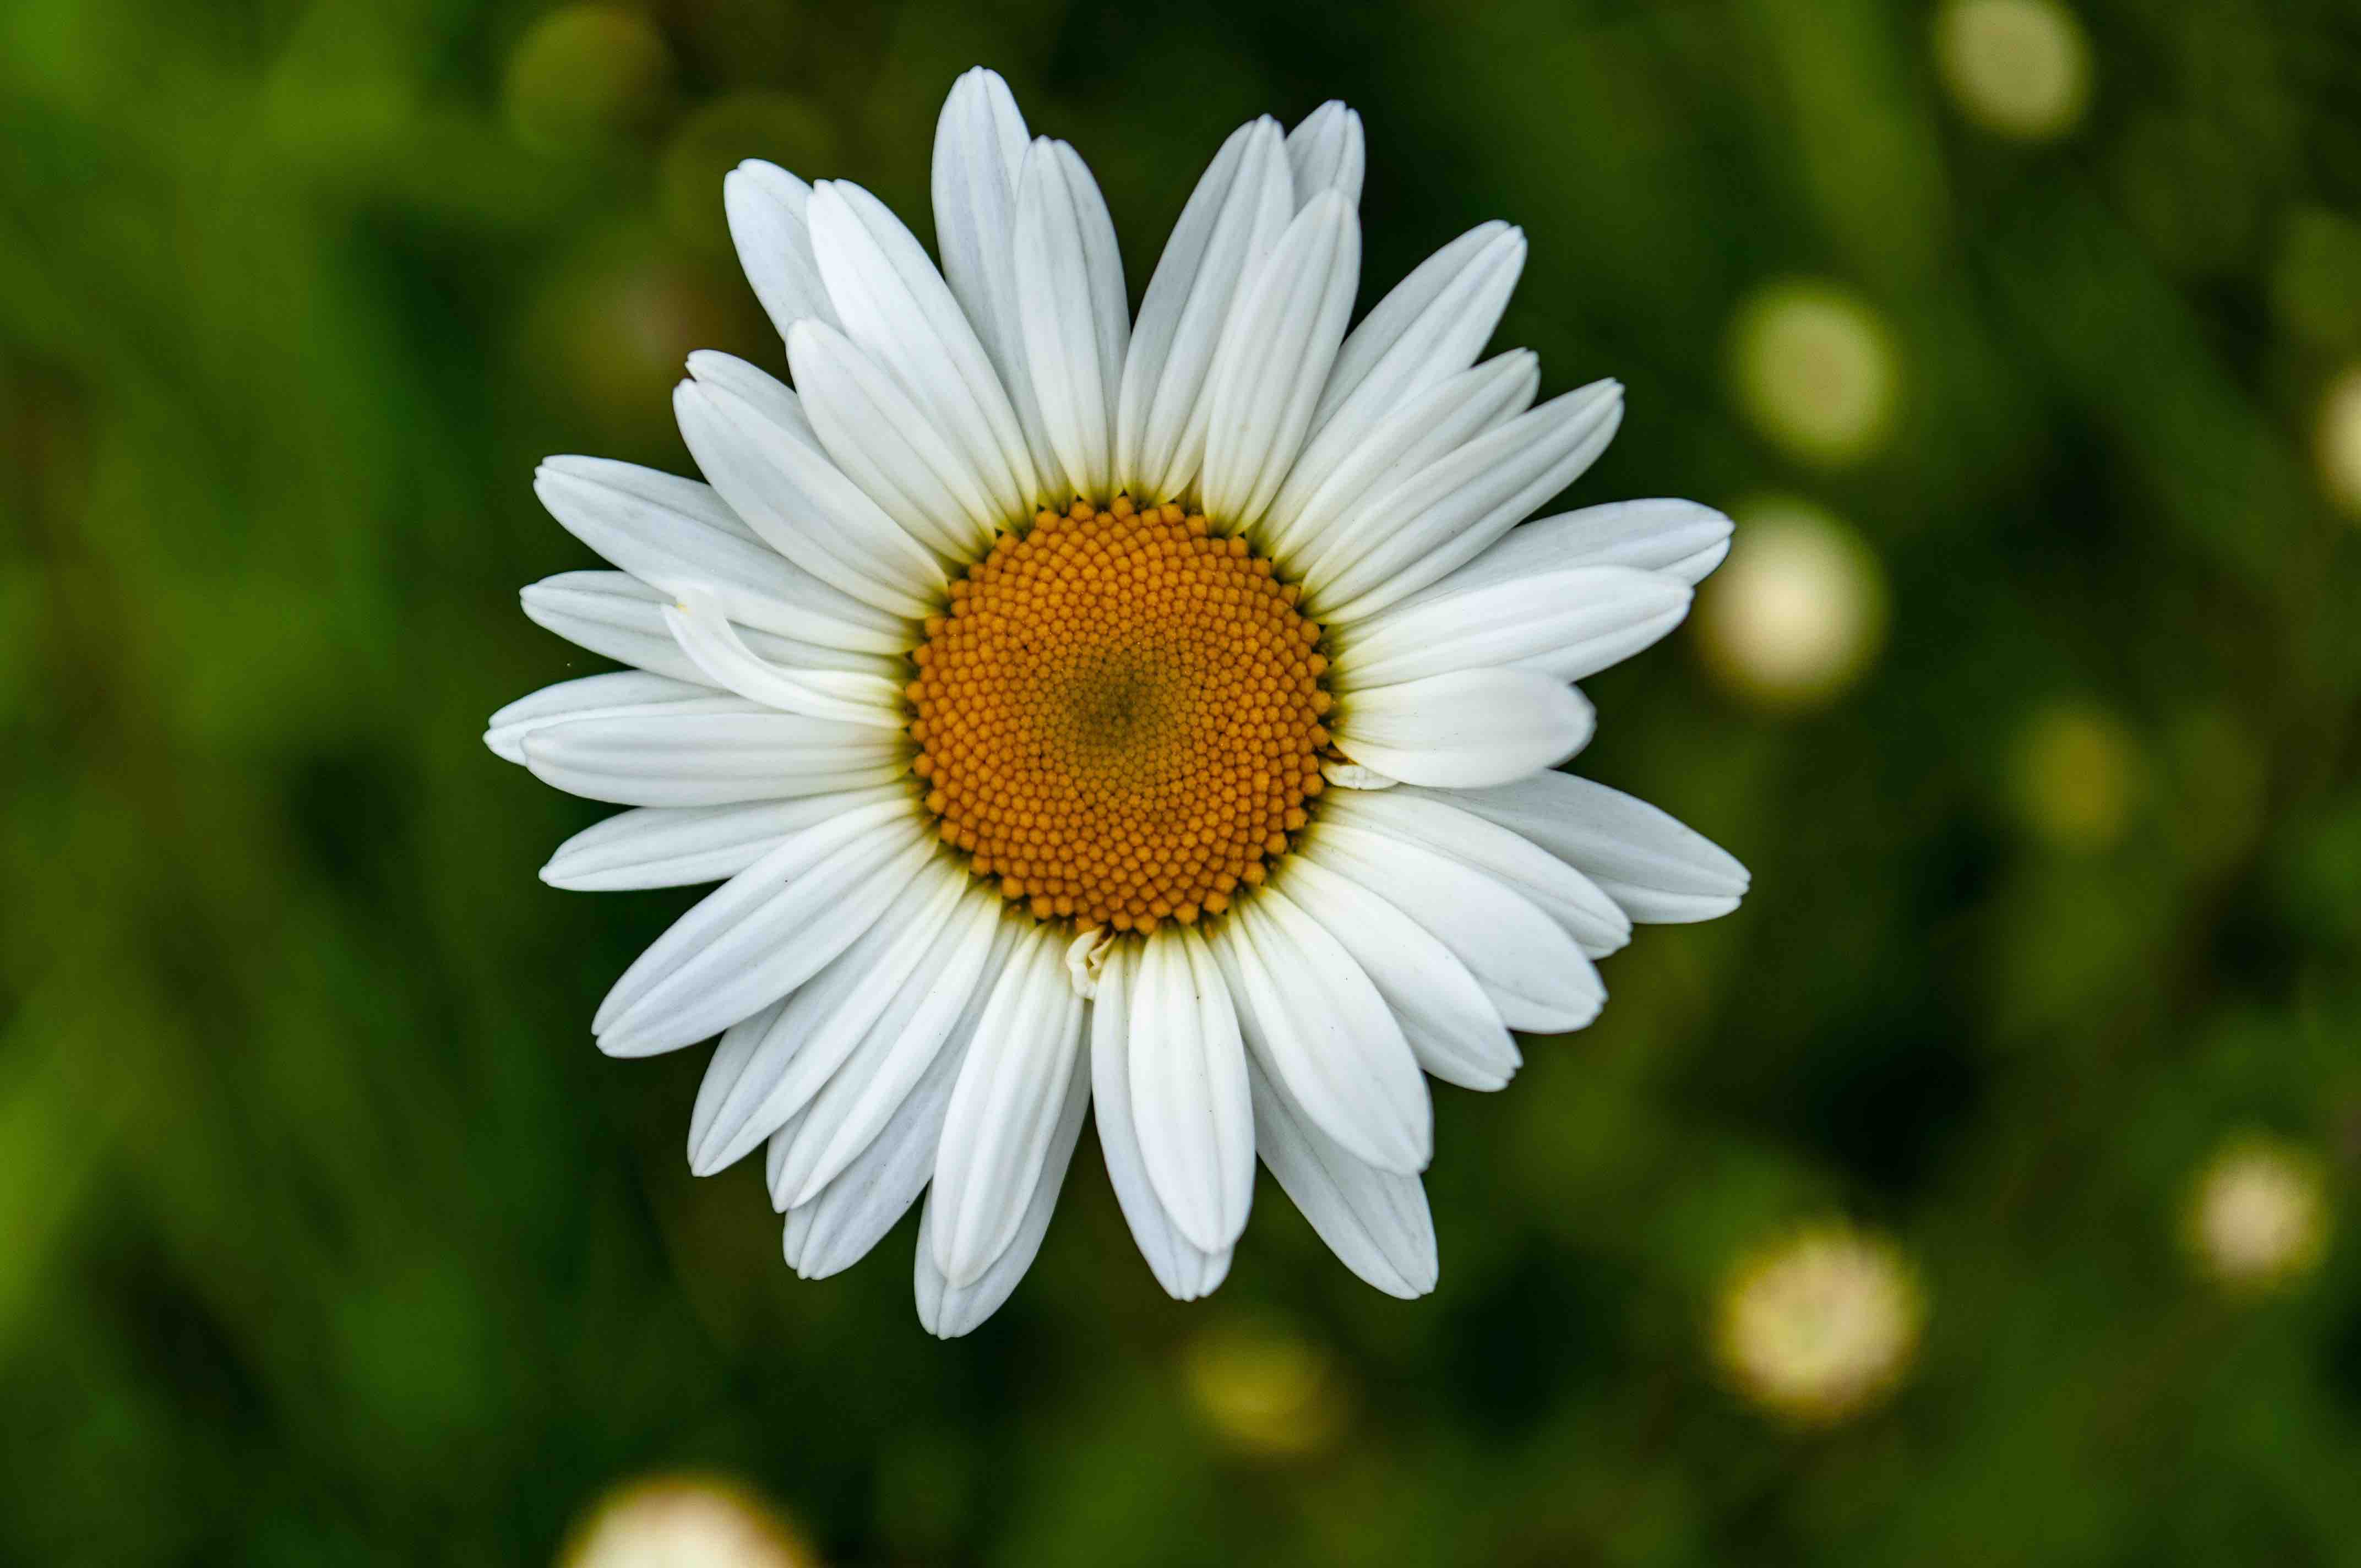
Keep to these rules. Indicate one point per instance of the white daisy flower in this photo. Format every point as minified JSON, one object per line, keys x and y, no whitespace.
{"x":1156,"y":713}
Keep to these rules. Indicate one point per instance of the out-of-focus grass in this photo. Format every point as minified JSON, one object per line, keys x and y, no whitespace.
{"x":325,"y":1236}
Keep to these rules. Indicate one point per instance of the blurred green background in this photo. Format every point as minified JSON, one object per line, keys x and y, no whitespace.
{"x":325,"y":1236}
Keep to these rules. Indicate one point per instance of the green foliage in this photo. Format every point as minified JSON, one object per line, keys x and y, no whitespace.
{"x":326,"y":1237}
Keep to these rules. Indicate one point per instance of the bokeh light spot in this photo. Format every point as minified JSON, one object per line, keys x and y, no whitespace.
{"x":1815,"y":370}
{"x":1798,"y":611}
{"x":2020,"y":68}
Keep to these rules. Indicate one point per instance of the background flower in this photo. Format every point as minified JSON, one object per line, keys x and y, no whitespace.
{"x":324,"y":1239}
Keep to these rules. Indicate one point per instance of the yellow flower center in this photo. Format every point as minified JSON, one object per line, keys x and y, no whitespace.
{"x":1119,"y":717}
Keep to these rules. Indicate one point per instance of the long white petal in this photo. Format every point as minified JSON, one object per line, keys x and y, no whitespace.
{"x":1535,"y":974}
{"x":1326,"y":151}
{"x":893,"y":1054}
{"x":1314,"y":1020}
{"x":1189,"y":1105}
{"x":766,"y":207}
{"x":1233,"y":217}
{"x":706,"y":635}
{"x":1076,"y":323}
{"x":1396,"y":543}
{"x":948,"y":1310}
{"x":1679,"y":539}
{"x":1464,"y":728}
{"x":1429,"y":818}
{"x":1375,"y":1220}
{"x":980,"y":143}
{"x":1431,"y":324}
{"x":898,"y":309}
{"x":658,"y":846}
{"x":1274,"y":357}
{"x":1451,"y":1025}
{"x":1425,"y":333}
{"x":836,"y":1227}
{"x":671,"y":532}
{"x":623,"y":692}
{"x":997,"y":1136}
{"x":1659,"y":872}
{"x":694,"y":755}
{"x":615,"y":614}
{"x":1427,"y":427}
{"x":1185,"y":1271}
{"x":889,"y":447}
{"x":803,"y":505}
{"x":800,"y":1045}
{"x":763,"y":932}
{"x":1566,"y":625}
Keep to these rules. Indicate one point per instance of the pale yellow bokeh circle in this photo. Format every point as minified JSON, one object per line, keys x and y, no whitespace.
{"x":1819,"y":1324}
{"x":1798,"y":611}
{"x":2020,"y":68}
{"x":2340,"y":440}
{"x":1816,"y":370}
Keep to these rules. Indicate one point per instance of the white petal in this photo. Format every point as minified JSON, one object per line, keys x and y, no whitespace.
{"x":1433,"y":324}
{"x":1314,"y":1020}
{"x":1679,"y":539}
{"x":997,"y":1135}
{"x":1190,"y":1110}
{"x":1376,"y":1222}
{"x":764,"y":931}
{"x":1076,"y":321}
{"x":658,"y":846}
{"x":1465,"y":729}
{"x":1564,"y":625}
{"x":836,"y":1229}
{"x":1233,"y":217}
{"x":1534,"y":973}
{"x":771,"y":398}
{"x":1328,"y":488}
{"x":706,"y":635}
{"x":1451,"y":1025}
{"x":1185,"y":1272}
{"x":1425,"y":334}
{"x":694,"y":755}
{"x":1423,"y":818}
{"x":889,"y":447}
{"x":948,"y":1310}
{"x":1274,"y":358}
{"x":1658,"y":871}
{"x":598,"y":696}
{"x":616,"y":614}
{"x":898,"y":309}
{"x":980,"y":143}
{"x":1395,"y":544}
{"x":801,"y":504}
{"x":1327,"y":152}
{"x":799,"y":1045}
{"x":766,"y":207}
{"x":671,"y":532}
{"x":895,"y":1054}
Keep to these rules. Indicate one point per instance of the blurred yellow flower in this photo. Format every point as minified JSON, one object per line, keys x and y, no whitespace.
{"x":2021,"y":68}
{"x":1798,"y":612}
{"x":1820,"y":1324}
{"x":2340,"y":439}
{"x":1816,"y":370}
{"x":2258,"y":1217}
{"x":683,"y":1521}
{"x":584,"y":75}
{"x":2076,"y":776}
{"x":1266,"y":1390}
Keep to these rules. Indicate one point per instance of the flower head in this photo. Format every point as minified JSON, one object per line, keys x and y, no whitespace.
{"x":1155,"y":716}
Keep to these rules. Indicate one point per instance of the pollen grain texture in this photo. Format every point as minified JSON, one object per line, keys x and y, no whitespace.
{"x":1120,"y":715}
